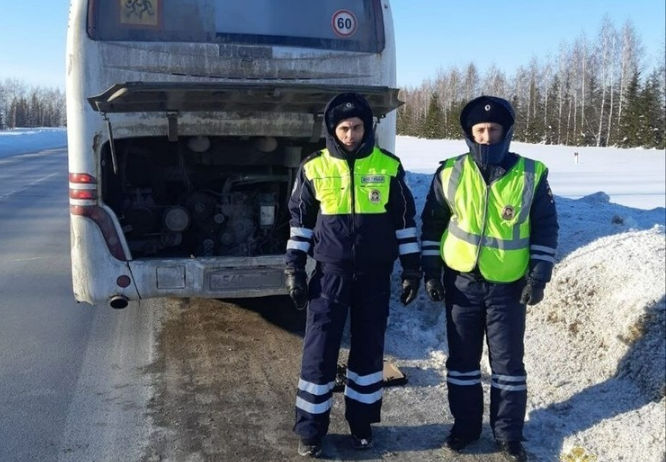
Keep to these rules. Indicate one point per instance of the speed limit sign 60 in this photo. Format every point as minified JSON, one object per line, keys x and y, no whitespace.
{"x":344,"y":23}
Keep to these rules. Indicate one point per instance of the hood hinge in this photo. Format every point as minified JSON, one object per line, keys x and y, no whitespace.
{"x":112,"y":147}
{"x":316,"y":127}
{"x":172,"y":117}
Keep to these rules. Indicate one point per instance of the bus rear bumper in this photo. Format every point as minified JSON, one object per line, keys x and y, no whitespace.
{"x":216,"y":277}
{"x":100,"y":279}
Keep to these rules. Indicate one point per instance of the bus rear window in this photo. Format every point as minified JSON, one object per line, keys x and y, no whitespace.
{"x":351,"y":25}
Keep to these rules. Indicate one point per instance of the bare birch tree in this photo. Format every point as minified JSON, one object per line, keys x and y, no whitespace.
{"x":471,"y":82}
{"x":495,"y":82}
{"x":605,"y":53}
{"x":563,"y":77}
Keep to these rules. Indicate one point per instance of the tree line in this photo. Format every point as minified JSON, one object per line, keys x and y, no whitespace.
{"x":591,"y":94}
{"x":21,"y":106}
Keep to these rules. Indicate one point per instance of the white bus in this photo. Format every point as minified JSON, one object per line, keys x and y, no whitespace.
{"x":186,"y":122}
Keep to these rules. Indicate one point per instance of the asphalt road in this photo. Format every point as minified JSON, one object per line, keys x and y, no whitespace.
{"x":72,"y":385}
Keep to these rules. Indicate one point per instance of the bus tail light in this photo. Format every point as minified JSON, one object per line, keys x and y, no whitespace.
{"x":82,"y":178}
{"x":83,"y":194}
{"x":83,"y":202}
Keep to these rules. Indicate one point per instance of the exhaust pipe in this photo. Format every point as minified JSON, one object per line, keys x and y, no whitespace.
{"x":118,"y":302}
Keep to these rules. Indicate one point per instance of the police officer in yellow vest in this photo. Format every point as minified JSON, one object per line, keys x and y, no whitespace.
{"x":490,"y":226}
{"x":353,"y":213}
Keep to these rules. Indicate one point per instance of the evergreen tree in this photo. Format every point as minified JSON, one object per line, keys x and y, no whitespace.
{"x":452,"y":129}
{"x":36,"y":111}
{"x":405,"y":121}
{"x":518,"y":126}
{"x":651,"y":132}
{"x":630,"y":126}
{"x":433,"y":127}
{"x":22,"y":113}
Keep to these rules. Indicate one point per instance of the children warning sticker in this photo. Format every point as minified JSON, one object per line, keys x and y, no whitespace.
{"x":139,"y":12}
{"x":344,"y":23}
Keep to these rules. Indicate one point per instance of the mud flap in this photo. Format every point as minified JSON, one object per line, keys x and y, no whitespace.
{"x":392,"y":376}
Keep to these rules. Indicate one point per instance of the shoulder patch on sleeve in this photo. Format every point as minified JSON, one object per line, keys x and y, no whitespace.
{"x":550,"y":194}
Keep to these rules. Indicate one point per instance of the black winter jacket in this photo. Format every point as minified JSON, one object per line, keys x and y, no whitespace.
{"x":353,"y":241}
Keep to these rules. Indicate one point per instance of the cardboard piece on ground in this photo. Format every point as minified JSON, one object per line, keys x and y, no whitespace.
{"x":393,"y":375}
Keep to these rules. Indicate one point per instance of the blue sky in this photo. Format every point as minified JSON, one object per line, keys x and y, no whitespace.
{"x":431,"y":35}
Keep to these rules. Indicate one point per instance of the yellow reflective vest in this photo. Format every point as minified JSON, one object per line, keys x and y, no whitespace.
{"x":332,"y":183}
{"x":490,"y":224}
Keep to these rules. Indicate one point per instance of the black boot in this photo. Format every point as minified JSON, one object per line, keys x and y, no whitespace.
{"x":361,"y":436}
{"x":361,"y":443}
{"x":512,"y":451}
{"x":457,"y":443}
{"x":309,"y":448}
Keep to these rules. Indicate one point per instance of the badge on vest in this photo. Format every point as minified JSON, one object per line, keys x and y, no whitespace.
{"x":375,"y":196}
{"x":508,"y":212}
{"x":373,"y":179}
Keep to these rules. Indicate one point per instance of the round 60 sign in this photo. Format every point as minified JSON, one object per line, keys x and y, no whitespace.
{"x":344,"y":23}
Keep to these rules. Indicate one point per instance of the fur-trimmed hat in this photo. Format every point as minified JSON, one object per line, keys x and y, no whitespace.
{"x":487,"y":109}
{"x":346,"y":106}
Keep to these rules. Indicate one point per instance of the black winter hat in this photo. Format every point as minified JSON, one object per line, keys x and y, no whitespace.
{"x":487,"y":109}
{"x":346,"y":106}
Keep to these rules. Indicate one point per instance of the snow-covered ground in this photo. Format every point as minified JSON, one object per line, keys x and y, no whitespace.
{"x":596,"y":346}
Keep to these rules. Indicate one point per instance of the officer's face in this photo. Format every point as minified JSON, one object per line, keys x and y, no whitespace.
{"x":487,"y":133}
{"x":350,"y":133}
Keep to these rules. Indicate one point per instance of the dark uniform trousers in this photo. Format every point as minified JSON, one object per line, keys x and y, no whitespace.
{"x":475,"y":307}
{"x":334,"y":292}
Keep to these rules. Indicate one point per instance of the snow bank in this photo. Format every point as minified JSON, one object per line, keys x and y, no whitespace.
{"x":23,"y":140}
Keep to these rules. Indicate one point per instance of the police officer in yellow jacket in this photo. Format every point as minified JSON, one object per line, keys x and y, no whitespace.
{"x":353,"y":213}
{"x":490,"y":226}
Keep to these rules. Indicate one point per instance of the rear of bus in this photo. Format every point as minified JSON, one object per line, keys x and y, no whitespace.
{"x":187,"y":121}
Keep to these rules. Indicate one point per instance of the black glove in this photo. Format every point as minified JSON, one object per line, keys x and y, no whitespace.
{"x":411,"y":279}
{"x":532,"y":292}
{"x":296,"y":282}
{"x":435,"y":290}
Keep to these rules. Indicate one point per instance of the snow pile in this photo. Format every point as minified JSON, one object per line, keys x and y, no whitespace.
{"x":595,"y":288}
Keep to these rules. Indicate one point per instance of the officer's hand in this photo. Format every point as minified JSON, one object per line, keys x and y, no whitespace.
{"x":410,"y":287}
{"x":532,"y":292}
{"x":435,"y":290}
{"x":297,"y":285}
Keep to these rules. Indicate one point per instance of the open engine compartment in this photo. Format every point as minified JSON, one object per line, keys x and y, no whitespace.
{"x":202,"y":196}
